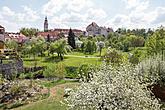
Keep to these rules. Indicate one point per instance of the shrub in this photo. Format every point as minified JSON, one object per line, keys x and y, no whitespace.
{"x":26,"y":75}
{"x":85,"y":72}
{"x":71,"y":72}
{"x":113,"y":89}
{"x":16,"y":88}
{"x":152,"y":70}
{"x":53,"y":71}
{"x":38,"y":74}
{"x":113,"y":56}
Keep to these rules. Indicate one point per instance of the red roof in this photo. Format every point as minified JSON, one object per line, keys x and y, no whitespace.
{"x":67,"y":30}
{"x":52,"y":34}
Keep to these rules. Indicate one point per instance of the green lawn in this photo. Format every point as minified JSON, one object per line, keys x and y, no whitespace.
{"x":68,"y":61}
{"x":54,"y":102}
{"x":83,"y":54}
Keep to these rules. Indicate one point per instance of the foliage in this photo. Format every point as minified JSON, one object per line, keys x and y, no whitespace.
{"x":152,"y":70}
{"x":71,"y":39}
{"x":29,"y":32}
{"x":12,"y":44}
{"x":71,"y":72}
{"x":34,"y":47}
{"x":113,"y":56}
{"x":100,"y":45}
{"x":90,"y":47}
{"x":156,"y":42}
{"x":85,"y":72}
{"x":54,"y":71}
{"x":113,"y":89}
{"x":60,"y":47}
{"x":136,"y":56}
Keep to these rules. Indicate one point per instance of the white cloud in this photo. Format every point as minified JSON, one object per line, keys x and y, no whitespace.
{"x":53,"y":6}
{"x":96,"y":14}
{"x":137,"y":4}
{"x":13,"y":20}
{"x":73,"y":13}
{"x":78,"y":5}
{"x":29,"y":14}
{"x":140,"y":16}
{"x":7,"y":11}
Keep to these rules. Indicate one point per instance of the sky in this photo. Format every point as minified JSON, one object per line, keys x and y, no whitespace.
{"x":15,"y":14}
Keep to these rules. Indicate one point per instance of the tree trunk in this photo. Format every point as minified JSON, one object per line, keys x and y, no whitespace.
{"x":61,"y":57}
{"x":100,"y":51}
{"x":35,"y":62}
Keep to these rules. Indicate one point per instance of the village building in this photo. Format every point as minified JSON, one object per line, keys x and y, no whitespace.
{"x":57,"y":33}
{"x":94,"y":30}
{"x":18,"y":37}
{"x":2,"y":37}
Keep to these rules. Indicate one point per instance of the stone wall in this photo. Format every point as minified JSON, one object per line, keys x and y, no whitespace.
{"x":7,"y":70}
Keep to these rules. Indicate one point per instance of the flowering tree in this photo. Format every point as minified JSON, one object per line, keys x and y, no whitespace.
{"x":100,"y":45}
{"x":113,"y":88}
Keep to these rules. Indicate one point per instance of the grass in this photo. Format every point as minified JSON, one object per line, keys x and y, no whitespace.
{"x":97,"y":54}
{"x":68,"y":61}
{"x":53,"y":102}
{"x":50,"y":84}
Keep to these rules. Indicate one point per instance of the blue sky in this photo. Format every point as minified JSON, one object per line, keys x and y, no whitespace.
{"x":15,"y":14}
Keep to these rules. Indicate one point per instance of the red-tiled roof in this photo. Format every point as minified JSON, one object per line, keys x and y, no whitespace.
{"x":18,"y":37}
{"x":67,"y":30}
{"x":48,"y":33}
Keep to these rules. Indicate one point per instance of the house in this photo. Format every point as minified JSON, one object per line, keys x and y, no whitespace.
{"x":57,"y":33}
{"x":94,"y":30}
{"x":49,"y":35}
{"x":18,"y":37}
{"x":2,"y":37}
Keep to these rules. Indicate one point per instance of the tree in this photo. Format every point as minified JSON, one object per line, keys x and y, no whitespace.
{"x":88,"y":47}
{"x":29,"y":32}
{"x":60,"y":47}
{"x":12,"y":44}
{"x":113,"y":88}
{"x":41,"y":45}
{"x":33,"y":48}
{"x":100,"y":45}
{"x":156,"y":43}
{"x":71,"y":39}
{"x":113,"y":56}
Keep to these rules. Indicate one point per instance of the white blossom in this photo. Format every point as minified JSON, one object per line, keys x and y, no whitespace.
{"x":113,"y":88}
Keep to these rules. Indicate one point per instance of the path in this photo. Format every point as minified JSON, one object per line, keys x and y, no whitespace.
{"x":55,"y":98}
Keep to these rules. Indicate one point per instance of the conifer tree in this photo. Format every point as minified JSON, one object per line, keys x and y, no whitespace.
{"x":71,"y":39}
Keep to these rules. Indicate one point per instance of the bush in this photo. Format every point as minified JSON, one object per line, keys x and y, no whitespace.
{"x":38,"y":74}
{"x":152,"y":70}
{"x":53,"y":71}
{"x":85,"y":72}
{"x":113,"y":89}
{"x":113,"y":56}
{"x":26,"y":76}
{"x":16,"y":88}
{"x":71,"y":72}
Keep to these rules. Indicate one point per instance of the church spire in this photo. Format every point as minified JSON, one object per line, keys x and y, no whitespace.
{"x":46,"y":24}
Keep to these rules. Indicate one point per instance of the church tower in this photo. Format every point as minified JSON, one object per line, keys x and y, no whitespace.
{"x":46,"y":25}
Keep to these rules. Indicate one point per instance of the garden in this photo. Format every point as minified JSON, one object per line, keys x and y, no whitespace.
{"x":123,"y":71}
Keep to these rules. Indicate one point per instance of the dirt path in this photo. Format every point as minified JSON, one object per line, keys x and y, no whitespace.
{"x":56,"y":95}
